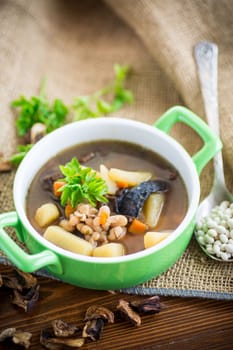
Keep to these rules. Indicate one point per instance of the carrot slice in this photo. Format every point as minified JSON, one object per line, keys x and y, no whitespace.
{"x":122,"y":184}
{"x":56,"y":187}
{"x":69,"y":210}
{"x":137,"y":227}
{"x":103,"y":217}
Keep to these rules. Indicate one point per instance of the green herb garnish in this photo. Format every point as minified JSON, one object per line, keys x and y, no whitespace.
{"x":81,"y":184}
{"x":38,"y":109}
{"x":22,"y":151}
{"x":94,"y":105}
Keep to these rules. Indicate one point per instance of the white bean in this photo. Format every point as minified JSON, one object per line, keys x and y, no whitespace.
{"x":211,"y":223}
{"x":216,"y":249}
{"x":209,"y":239}
{"x":212,"y":233}
{"x":229,"y":248}
{"x":118,"y":220}
{"x":224,"y":256}
{"x":230,"y":223}
{"x":201,"y":240}
{"x":215,"y":232}
{"x":223,"y":238}
{"x":221,"y":229}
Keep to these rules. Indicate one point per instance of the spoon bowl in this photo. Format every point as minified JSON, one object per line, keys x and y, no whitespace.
{"x":206,"y":56}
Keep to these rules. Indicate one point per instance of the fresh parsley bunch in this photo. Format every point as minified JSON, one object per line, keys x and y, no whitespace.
{"x":38,"y":109}
{"x":81,"y":183}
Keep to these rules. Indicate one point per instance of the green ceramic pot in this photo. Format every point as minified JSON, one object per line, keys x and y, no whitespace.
{"x":118,"y":272}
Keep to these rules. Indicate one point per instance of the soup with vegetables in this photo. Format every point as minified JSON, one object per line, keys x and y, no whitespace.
{"x":106,"y":198}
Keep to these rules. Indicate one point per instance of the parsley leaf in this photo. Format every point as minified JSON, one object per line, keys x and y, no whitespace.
{"x":22,"y":151}
{"x":81,"y":184}
{"x":94,"y":106}
{"x":37,"y":109}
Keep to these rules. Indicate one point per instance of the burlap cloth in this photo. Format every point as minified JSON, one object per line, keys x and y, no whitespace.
{"x":75,"y":45}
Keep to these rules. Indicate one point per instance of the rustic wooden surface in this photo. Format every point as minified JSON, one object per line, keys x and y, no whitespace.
{"x":184,"y":323}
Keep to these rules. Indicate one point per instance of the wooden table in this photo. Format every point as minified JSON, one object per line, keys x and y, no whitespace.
{"x":184,"y":323}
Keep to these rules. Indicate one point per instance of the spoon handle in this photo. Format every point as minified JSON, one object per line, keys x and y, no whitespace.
{"x":206,"y":55}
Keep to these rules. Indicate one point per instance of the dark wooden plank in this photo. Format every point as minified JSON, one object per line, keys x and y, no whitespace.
{"x":184,"y":323}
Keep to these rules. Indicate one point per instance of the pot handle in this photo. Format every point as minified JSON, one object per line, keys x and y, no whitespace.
{"x":22,"y":260}
{"x":212,"y":143}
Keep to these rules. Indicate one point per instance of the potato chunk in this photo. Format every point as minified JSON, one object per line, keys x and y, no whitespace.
{"x":128,"y":178}
{"x":46,"y":214}
{"x":109,"y":250}
{"x":104,"y":174}
{"x":153,"y":208}
{"x":67,"y":240}
{"x":153,"y":238}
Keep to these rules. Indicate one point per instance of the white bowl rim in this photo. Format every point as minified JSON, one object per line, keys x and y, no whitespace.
{"x":192,"y":205}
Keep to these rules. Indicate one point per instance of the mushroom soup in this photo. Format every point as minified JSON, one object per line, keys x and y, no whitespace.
{"x":109,"y":198}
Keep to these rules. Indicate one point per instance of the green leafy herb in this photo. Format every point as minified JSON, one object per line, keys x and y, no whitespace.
{"x":94,"y":105}
{"x":37,"y":109}
{"x":22,"y":151}
{"x":81,"y":184}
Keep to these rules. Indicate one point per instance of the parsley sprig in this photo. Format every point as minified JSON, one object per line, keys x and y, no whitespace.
{"x":96,"y":104}
{"x":22,"y":150}
{"x":81,"y":183}
{"x":38,"y":109}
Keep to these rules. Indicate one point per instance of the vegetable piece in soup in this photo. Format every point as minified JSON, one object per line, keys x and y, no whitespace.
{"x":109,"y":193}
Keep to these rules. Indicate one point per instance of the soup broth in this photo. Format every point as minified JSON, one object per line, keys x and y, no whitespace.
{"x":122,"y":155}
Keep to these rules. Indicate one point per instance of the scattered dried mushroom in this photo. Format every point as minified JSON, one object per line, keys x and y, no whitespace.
{"x":96,"y":317}
{"x":147,"y":306}
{"x":128,"y":313}
{"x":64,"y":329}
{"x":50,"y":341}
{"x":96,"y":312}
{"x":64,"y":335}
{"x":25,"y":289}
{"x":16,"y":336}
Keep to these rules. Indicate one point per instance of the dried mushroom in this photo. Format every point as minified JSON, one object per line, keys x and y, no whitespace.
{"x":49,"y":340}
{"x":19,"y":281}
{"x":64,"y":329}
{"x":11,"y":282}
{"x":7,"y":333}
{"x":27,"y":280}
{"x":24,"y":287}
{"x":147,"y":306}
{"x":27,"y":300}
{"x":16,"y":336}
{"x":93,"y":329}
{"x":96,"y":316}
{"x":128,"y":313}
{"x":96,"y":311}
{"x":130,"y":201}
{"x":37,"y":131}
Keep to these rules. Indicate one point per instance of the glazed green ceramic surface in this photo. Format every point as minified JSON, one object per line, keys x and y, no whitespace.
{"x":109,"y":273}
{"x":89,"y":275}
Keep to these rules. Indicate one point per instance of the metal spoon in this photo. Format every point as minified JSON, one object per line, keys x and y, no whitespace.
{"x":206,"y":56}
